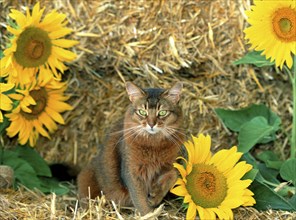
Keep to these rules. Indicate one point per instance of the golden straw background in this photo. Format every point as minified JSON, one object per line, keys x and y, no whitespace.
{"x":154,"y":44}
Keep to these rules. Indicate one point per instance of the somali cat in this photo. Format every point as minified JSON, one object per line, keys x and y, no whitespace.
{"x":134,"y":167}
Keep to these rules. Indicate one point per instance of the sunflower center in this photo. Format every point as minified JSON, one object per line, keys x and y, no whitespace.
{"x":40,"y":97}
{"x":206,"y":185}
{"x":33,"y":47}
{"x":284,"y":24}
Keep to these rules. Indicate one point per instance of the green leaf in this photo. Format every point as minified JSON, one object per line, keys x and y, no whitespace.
{"x":269,"y":175}
{"x":3,"y":125}
{"x":255,"y":58}
{"x":1,"y":54}
{"x":26,"y":175}
{"x":23,"y":172}
{"x":251,"y":175}
{"x":12,"y":23}
{"x":250,"y":160}
{"x":288,"y":170}
{"x":51,"y":185}
{"x":274,"y":164}
{"x":30,"y":155}
{"x":270,"y":159}
{"x":255,"y":131}
{"x":267,"y":155}
{"x":293,"y":200}
{"x":267,"y":198}
{"x":234,"y":119}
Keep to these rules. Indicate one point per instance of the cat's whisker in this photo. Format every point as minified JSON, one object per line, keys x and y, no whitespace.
{"x":138,"y":132}
{"x":177,"y":130}
{"x":171,"y":134}
{"x":128,"y":133}
{"x":122,"y":130}
{"x":168,"y":135}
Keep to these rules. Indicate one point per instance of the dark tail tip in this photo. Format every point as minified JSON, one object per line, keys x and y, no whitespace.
{"x":64,"y":172}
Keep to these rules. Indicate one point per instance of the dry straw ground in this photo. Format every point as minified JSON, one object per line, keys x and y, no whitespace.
{"x":153,"y":43}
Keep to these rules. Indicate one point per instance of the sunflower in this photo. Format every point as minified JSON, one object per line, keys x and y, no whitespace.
{"x":38,"y":111}
{"x":212,"y":185}
{"x":36,"y":44}
{"x":5,"y":102}
{"x":273,"y":30}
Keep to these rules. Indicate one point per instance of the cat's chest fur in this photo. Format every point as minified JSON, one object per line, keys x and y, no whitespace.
{"x":149,"y":156}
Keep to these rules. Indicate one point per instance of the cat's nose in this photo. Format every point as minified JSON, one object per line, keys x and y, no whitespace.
{"x":151,"y":124}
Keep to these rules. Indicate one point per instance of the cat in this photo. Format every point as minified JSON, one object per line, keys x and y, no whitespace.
{"x":135,"y":166}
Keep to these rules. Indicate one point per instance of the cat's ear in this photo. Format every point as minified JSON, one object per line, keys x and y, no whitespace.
{"x":174,"y":93}
{"x":133,"y":91}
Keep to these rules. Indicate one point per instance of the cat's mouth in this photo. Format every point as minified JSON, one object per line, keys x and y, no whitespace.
{"x":152,"y":130}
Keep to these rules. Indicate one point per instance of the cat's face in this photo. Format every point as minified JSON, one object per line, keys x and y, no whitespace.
{"x":155,"y":111}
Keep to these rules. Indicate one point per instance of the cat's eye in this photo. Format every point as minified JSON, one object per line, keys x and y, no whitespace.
{"x":142,"y":112}
{"x":162,"y":113}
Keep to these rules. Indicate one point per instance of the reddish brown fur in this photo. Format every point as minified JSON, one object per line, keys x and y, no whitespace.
{"x":135,"y":169}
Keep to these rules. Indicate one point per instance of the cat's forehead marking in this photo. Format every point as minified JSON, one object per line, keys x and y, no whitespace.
{"x":153,"y":96}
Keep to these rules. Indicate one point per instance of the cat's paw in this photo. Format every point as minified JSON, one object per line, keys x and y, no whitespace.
{"x":155,"y":196}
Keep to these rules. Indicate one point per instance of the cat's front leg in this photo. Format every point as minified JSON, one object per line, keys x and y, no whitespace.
{"x":138,"y":194}
{"x":137,"y":188}
{"x":160,"y":187}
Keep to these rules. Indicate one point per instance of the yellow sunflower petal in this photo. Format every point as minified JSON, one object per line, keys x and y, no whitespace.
{"x":228,"y":164}
{"x":59,"y":106}
{"x":48,"y":122}
{"x":5,"y":87}
{"x":63,"y":54}
{"x":179,"y":191}
{"x":13,"y":129}
{"x":179,"y":182}
{"x":19,"y":17}
{"x":1,"y":117}
{"x":55,"y":115}
{"x":59,"y":33}
{"x":37,"y":14}
{"x":40,"y":129}
{"x":6,"y":103}
{"x":191,"y":211}
{"x":65,"y":43}
{"x":190,"y":150}
{"x":201,"y":212}
{"x":239,"y":185}
{"x":187,"y":199}
{"x":16,"y":96}
{"x":202,"y":148}
{"x":222,"y":156}
{"x":233,"y":203}
{"x":209,"y":214}
{"x":25,"y":108}
{"x":181,"y":169}
{"x":248,"y":198}
{"x":220,"y":213}
{"x":238,"y":171}
{"x":227,"y":212}
{"x":33,"y":138}
{"x":188,"y":168}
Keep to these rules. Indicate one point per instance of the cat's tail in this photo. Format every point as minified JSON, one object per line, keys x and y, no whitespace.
{"x":64,"y":172}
